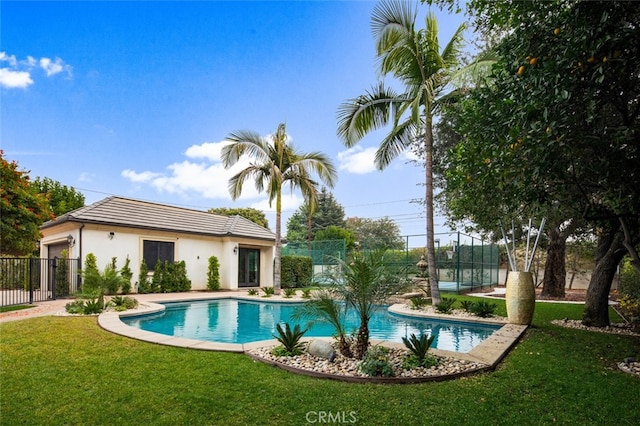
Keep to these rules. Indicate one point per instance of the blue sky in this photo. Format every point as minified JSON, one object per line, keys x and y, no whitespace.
{"x":136,"y":98}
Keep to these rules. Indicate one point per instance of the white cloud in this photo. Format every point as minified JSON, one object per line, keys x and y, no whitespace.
{"x":357,"y":160}
{"x":209,"y":150}
{"x":139,"y":177}
{"x":14,"y":79}
{"x":208,"y":179}
{"x":53,"y":67}
{"x":86,"y":177}
{"x":6,"y":58}
{"x":18,"y":74}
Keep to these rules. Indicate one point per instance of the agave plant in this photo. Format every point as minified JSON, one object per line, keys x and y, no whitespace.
{"x":289,"y":339}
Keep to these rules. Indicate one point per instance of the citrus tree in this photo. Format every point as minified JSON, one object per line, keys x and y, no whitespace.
{"x":555,"y":130}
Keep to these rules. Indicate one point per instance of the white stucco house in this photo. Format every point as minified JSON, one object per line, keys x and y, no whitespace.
{"x":120,"y":227}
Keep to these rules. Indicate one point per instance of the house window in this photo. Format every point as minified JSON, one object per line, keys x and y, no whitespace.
{"x":157,"y":251}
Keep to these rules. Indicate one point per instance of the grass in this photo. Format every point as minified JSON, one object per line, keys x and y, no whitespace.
{"x":15,"y":308}
{"x":66,"y":370}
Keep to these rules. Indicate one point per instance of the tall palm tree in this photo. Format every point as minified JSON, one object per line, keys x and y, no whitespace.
{"x":276,"y":163}
{"x":413,"y":57}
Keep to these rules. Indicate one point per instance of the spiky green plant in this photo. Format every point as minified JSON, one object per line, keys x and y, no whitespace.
{"x":290,"y":339}
{"x":419,"y":348}
{"x":324,"y":307}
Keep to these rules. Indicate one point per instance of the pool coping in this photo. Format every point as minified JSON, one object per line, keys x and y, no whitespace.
{"x":489,"y":352}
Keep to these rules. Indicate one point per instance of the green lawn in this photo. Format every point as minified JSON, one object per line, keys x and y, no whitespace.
{"x":66,"y":370}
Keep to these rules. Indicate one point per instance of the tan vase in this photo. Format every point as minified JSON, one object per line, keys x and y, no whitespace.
{"x":520,"y":297}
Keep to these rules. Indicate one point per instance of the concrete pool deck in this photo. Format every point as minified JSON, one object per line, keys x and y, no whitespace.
{"x":490,"y":352}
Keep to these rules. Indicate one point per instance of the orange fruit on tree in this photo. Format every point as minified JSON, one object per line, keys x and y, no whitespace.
{"x":521,"y":70}
{"x":556,"y":31}
{"x":533,"y":61}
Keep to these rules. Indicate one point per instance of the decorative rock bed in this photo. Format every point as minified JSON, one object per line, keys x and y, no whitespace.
{"x":348,"y":369}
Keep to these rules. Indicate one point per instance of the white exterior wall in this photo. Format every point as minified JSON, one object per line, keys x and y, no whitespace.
{"x":194,"y":250}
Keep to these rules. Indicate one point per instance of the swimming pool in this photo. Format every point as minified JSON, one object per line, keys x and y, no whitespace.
{"x":244,"y":321}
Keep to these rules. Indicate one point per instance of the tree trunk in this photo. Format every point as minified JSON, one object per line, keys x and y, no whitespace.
{"x":362,"y":340}
{"x":431,"y":250}
{"x":555,"y":272}
{"x":276,"y":261}
{"x":609,"y":252}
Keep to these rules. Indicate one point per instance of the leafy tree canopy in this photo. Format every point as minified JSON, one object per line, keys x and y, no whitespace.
{"x":62,"y":199}
{"x":562,"y":114}
{"x":333,"y":232}
{"x":376,"y":234}
{"x":22,"y":210}
{"x":254,"y":215}
{"x":328,"y":212}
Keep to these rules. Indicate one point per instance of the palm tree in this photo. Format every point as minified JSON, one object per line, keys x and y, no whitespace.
{"x":364,"y":283}
{"x":275,"y":164}
{"x":324,"y":307}
{"x":414,"y":58}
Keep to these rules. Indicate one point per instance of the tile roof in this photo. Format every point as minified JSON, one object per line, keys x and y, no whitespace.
{"x":146,"y":215}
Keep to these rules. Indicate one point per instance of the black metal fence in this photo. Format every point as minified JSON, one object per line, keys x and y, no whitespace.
{"x":29,"y":280}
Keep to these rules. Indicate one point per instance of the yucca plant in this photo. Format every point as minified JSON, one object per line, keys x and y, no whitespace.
{"x":290,"y":340}
{"x":419,"y":348}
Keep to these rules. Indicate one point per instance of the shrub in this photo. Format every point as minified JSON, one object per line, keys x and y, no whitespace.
{"x":268,"y":291}
{"x":289,"y":292}
{"x":213,"y":274}
{"x":252,"y":292}
{"x":483,"y":309}
{"x":94,"y":305}
{"x":418,"y":302}
{"x":376,"y":362}
{"x":90,"y":274}
{"x":419,"y":348}
{"x":467,"y":305}
{"x":156,"y":279}
{"x":446,"y":305}
{"x":75,"y":307}
{"x":629,"y":279}
{"x":306,"y":293}
{"x":289,"y":339}
{"x":87,"y":306}
{"x":122,"y":303}
{"x":631,"y":308}
{"x":179,"y":277}
{"x":144,"y":285}
{"x":296,"y":271}
{"x":111,"y":278}
{"x":126,"y":275}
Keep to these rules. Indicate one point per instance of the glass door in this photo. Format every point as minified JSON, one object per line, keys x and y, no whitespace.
{"x":248,"y":267}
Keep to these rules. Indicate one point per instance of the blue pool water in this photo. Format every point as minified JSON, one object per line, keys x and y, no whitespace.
{"x":241,"y":321}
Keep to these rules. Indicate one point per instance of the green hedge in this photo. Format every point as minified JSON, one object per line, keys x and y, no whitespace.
{"x":296,"y":271}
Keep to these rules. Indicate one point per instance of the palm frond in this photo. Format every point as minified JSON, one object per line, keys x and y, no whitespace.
{"x":368,"y":112}
{"x":395,"y":143}
{"x":392,"y":17}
